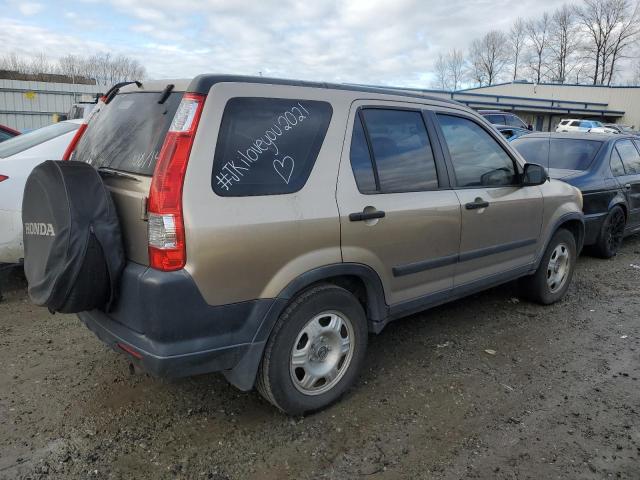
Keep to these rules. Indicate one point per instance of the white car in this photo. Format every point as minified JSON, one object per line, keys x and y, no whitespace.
{"x":578,"y":125}
{"x":18,"y":156}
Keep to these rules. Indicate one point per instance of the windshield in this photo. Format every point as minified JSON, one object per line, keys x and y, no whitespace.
{"x":127,"y":134}
{"x":36,"y":137}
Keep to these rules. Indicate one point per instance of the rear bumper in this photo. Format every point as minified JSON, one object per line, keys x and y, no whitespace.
{"x":162,"y":322}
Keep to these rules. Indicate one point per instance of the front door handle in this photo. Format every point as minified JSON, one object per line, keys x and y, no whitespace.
{"x":366,"y":215}
{"x":627,"y":186}
{"x":476,"y":204}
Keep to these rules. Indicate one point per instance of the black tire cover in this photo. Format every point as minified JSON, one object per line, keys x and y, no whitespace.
{"x":73,"y":253}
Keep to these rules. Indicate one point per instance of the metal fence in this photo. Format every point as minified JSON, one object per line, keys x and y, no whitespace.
{"x":25,"y":105}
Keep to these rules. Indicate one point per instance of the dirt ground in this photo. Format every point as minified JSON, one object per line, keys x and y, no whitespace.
{"x":559,"y":398}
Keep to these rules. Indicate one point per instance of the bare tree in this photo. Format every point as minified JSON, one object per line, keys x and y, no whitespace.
{"x":538,"y":35}
{"x":516,"y":38}
{"x":636,"y":74}
{"x":449,"y":70}
{"x":103,"y":68}
{"x":440,"y":72}
{"x":562,"y":43}
{"x":611,"y":27}
{"x":488,"y":57}
{"x":455,"y":68}
{"x":624,"y":35}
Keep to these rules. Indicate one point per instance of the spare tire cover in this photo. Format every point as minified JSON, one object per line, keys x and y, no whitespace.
{"x":73,"y":253}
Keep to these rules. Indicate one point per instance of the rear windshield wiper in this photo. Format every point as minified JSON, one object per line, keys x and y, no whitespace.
{"x":113,"y":91}
{"x":117,"y":173}
{"x":165,"y":93}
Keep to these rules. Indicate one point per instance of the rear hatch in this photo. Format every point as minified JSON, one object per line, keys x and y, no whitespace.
{"x":123,"y":141}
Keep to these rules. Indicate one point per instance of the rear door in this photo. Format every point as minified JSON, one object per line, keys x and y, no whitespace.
{"x":501,"y":221}
{"x":397,"y":212}
{"x":123,"y":142}
{"x":630,"y":181}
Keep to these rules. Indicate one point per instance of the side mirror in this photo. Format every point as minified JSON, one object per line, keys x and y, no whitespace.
{"x":530,"y":127}
{"x":534,"y":174}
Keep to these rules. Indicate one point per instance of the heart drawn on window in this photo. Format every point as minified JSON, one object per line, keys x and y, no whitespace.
{"x":284,"y":168}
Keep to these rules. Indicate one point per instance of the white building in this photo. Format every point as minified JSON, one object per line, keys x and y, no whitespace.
{"x":543,"y":105}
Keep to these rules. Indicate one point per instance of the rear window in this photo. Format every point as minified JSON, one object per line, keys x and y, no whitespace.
{"x":572,"y":154}
{"x":128,"y":133}
{"x":533,"y":150}
{"x":268,"y":146}
{"x":36,"y":137}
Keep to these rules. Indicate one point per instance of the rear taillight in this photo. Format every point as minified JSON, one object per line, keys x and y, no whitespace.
{"x":167,"y":250}
{"x":3,"y":178}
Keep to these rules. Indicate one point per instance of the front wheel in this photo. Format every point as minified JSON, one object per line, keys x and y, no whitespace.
{"x":552,"y":278}
{"x":611,"y":233}
{"x":315,"y":351}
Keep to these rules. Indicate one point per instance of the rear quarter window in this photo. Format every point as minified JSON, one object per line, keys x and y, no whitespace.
{"x":268,"y":146}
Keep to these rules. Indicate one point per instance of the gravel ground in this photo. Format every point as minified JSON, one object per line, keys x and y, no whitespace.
{"x":486,"y":387}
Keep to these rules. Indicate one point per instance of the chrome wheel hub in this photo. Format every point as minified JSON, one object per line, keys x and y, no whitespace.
{"x":558,"y":267}
{"x":322,"y":353}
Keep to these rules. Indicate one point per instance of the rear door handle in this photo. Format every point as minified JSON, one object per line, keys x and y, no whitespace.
{"x":361,"y":216}
{"x":476,"y":204}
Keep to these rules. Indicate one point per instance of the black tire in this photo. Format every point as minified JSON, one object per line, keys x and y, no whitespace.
{"x":540,"y":287}
{"x":275,"y":380}
{"x":611,"y":233}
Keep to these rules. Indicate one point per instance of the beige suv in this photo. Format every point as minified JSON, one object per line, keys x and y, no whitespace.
{"x":269,"y":226}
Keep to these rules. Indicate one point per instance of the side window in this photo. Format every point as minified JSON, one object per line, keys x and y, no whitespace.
{"x":361,"y":159}
{"x":496,"y":119}
{"x":629,"y":155}
{"x":616,"y":164}
{"x":575,"y":123}
{"x":401,"y":150}
{"x":268,"y":146}
{"x":478,"y":159}
{"x":514,"y":121}
{"x":4,"y":136}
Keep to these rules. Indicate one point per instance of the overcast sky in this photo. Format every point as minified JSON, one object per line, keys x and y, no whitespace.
{"x":390,"y":42}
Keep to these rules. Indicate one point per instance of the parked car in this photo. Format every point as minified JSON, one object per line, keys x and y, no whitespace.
{"x":498,"y":117}
{"x":18,"y":156}
{"x":262,"y":242}
{"x":511,"y":133}
{"x":585,"y":126}
{"x":606,"y":169}
{"x":6,"y":133}
{"x":626,"y":129}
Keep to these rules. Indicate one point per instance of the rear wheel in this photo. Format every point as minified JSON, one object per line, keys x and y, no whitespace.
{"x":611,"y":233}
{"x":552,"y":278}
{"x":315,"y":351}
